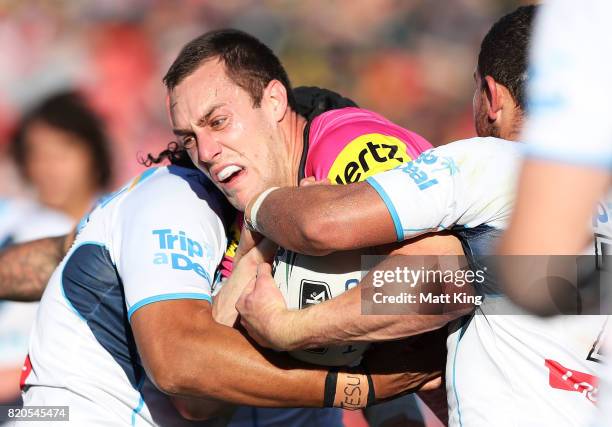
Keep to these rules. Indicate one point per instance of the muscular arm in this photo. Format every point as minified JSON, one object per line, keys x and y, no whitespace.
{"x":320,"y":219}
{"x":340,"y":320}
{"x":26,"y":268}
{"x":187,"y":354}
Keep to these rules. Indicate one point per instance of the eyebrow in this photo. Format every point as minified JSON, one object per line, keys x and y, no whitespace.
{"x":200,"y":122}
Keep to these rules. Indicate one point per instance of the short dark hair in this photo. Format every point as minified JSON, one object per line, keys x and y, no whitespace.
{"x":248,"y":62}
{"x":505,"y":49}
{"x":68,"y":111}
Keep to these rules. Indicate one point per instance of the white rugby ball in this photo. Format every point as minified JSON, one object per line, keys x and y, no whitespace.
{"x":308,"y":280}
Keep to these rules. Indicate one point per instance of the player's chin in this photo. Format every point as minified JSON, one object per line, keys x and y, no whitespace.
{"x":237,"y":199}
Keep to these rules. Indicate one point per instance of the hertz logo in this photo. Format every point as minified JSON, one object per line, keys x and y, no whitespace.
{"x":367,"y":155}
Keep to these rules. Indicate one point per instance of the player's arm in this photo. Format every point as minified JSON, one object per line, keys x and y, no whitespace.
{"x":166,"y":255}
{"x":187,"y":354}
{"x":25,"y":268}
{"x":195,"y":409}
{"x":546,"y":185}
{"x":265,"y":315}
{"x":415,"y":198}
{"x":224,"y":304}
{"x":320,"y":219}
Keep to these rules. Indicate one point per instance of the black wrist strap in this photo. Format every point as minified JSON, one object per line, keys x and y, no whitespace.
{"x":371,"y":392}
{"x":330,"y":388}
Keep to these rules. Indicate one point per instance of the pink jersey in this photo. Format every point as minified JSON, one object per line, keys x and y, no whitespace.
{"x":350,"y":144}
{"x":347,"y":145}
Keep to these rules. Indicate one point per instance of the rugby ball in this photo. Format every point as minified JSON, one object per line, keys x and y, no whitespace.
{"x":309,"y":280}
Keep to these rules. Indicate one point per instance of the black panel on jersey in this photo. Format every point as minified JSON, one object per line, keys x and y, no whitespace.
{"x":92,"y":285}
{"x":479,"y":244}
{"x":310,"y":102}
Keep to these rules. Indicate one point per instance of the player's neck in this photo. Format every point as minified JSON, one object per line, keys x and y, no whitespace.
{"x":293,"y":129}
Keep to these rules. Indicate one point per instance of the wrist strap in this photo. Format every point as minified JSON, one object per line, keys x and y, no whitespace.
{"x":371,"y":391}
{"x":331,"y":381}
{"x":251,"y":220}
{"x":349,"y":390}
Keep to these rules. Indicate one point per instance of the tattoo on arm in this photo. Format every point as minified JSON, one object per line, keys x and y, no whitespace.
{"x":26,"y":268}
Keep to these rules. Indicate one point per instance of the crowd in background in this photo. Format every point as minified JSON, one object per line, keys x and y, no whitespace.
{"x":412,"y":60}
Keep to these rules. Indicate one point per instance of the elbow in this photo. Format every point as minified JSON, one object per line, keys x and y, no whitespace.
{"x":176,"y":378}
{"x":168,"y":381}
{"x":199,"y":410}
{"x":190,"y":413}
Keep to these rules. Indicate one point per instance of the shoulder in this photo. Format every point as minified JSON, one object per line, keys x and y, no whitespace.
{"x":478,"y":149}
{"x":360,"y":140}
{"x":346,"y":124}
{"x":173,"y":188}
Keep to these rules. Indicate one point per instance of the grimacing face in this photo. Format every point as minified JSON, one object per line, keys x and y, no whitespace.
{"x":238,"y":146}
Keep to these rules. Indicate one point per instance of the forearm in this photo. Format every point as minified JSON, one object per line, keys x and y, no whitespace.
{"x":224,"y":306}
{"x":340,"y":321}
{"x":317,"y":220}
{"x":26,"y":268}
{"x":218,"y":362}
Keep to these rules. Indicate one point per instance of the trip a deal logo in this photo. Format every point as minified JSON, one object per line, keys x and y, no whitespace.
{"x":367,"y":155}
{"x":180,"y":252}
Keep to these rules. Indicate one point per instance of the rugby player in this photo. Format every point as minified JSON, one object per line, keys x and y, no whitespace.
{"x":117,"y":352}
{"x":246,"y":134}
{"x":61,"y":151}
{"x":467,"y":187}
{"x":127,"y":317}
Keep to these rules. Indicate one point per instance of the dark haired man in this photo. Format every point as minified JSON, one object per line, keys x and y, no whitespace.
{"x":61,"y":148}
{"x":145,"y":319}
{"x":210,"y":139}
{"x":62,"y":153}
{"x":501,"y":370}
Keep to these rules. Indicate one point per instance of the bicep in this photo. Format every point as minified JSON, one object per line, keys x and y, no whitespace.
{"x":161,"y":331}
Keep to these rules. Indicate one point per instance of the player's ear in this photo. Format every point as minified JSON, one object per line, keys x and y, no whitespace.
{"x":494,"y":97}
{"x":275,"y":99}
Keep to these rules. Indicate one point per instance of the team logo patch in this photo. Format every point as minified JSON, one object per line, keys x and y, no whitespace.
{"x":367,"y":155}
{"x":313,"y":293}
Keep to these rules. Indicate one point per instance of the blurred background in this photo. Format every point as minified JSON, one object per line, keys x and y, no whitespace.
{"x":410,"y":60}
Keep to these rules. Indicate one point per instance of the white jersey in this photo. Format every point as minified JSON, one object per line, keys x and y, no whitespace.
{"x":570,"y":107}
{"x":158,"y":238}
{"x":570,"y":90}
{"x":502,"y":370}
{"x":21,"y":221}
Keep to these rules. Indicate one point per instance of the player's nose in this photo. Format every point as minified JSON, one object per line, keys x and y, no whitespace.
{"x":208,"y":149}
